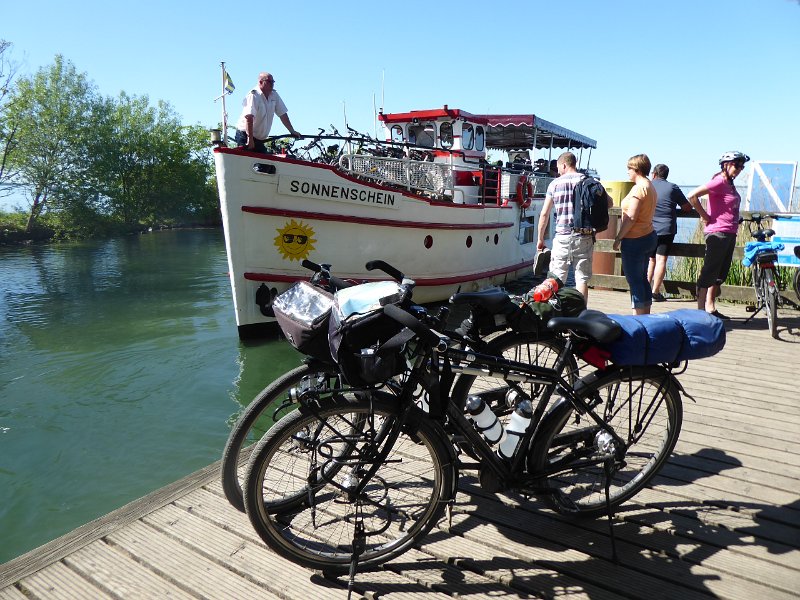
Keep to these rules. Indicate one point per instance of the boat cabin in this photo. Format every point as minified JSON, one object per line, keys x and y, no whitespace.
{"x":462,"y":141}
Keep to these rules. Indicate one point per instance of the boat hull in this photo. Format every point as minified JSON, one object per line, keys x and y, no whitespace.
{"x":278,"y":211}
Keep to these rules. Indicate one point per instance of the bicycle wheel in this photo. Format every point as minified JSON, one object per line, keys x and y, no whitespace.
{"x":644,"y":408}
{"x":322,"y":453}
{"x":770,"y":291}
{"x":796,"y":283}
{"x":259,"y":416}
{"x":529,"y":348}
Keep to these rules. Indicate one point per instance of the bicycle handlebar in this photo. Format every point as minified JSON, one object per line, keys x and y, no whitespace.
{"x":324,"y":271}
{"x":428,"y":335}
{"x":386,"y":268}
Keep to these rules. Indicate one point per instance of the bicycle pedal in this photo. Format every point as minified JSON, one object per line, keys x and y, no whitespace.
{"x":750,"y":308}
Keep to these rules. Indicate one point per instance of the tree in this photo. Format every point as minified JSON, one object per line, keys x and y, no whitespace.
{"x":53,"y":114}
{"x":151,"y":169}
{"x":8,"y":70}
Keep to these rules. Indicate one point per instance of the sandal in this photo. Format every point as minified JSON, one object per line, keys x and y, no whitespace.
{"x":719,"y":315}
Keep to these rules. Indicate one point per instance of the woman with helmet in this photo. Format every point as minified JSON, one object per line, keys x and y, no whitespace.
{"x":721,"y":222}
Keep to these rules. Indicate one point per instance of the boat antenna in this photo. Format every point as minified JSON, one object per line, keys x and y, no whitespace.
{"x":374,"y":117}
{"x":383,"y":80}
{"x":347,"y":127}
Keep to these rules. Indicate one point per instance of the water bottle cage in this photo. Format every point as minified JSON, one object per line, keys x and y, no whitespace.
{"x":484,"y":429}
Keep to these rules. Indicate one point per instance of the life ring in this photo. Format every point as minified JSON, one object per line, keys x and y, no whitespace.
{"x":524,"y":192}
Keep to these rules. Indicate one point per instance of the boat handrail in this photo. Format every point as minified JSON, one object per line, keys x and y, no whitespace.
{"x":421,"y":175}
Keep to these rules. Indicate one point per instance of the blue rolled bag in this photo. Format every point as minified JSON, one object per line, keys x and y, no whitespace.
{"x":685,"y":334}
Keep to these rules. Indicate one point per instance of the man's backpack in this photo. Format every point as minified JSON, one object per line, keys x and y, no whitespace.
{"x":591,"y":205}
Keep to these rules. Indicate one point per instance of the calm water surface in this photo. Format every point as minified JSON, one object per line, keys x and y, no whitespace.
{"x":120,"y":372}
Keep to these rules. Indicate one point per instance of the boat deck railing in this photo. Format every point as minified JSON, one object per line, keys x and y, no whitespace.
{"x":418,"y":175}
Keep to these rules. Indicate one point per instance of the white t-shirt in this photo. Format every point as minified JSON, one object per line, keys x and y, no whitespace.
{"x":263,"y":110}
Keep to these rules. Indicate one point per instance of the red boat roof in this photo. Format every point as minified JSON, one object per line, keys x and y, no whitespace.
{"x":504,"y":132}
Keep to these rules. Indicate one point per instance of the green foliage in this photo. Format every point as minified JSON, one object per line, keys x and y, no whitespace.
{"x":92,"y":166}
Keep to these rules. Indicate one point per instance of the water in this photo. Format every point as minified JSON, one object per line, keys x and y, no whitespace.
{"x":120,"y":372}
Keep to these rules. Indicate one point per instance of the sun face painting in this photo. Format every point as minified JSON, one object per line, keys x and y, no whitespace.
{"x":295,"y":241}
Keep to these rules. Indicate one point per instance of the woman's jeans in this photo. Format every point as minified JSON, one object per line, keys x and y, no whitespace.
{"x":635,"y":257}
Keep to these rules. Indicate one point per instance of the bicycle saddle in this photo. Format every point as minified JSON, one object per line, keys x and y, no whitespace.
{"x":492,"y":300}
{"x":593,"y":323}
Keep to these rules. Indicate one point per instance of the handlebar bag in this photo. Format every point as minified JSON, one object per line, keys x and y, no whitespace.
{"x":303,"y":312}
{"x":357,"y":329}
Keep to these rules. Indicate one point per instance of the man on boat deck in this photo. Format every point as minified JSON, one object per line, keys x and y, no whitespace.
{"x":570,"y":246}
{"x":260,"y":105}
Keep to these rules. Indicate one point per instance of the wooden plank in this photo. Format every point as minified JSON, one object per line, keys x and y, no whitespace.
{"x":187,"y":569}
{"x":120,"y":575}
{"x":12,"y":593}
{"x":58,"y":582}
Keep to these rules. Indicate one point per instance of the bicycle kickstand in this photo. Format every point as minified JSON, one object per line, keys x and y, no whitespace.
{"x":756,"y":309}
{"x":359,"y":544}
{"x":607,"y":467}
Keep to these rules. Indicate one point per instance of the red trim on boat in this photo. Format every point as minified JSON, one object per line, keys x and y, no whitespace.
{"x":302,"y":214}
{"x":419,"y":281}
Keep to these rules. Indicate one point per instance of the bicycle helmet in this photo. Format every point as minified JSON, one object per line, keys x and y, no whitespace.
{"x":733,"y":155}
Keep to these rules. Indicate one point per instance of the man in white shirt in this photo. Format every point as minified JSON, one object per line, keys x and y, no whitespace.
{"x":259,"y":107}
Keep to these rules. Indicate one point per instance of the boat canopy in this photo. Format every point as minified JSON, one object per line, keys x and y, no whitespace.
{"x":503,"y":132}
{"x":517,"y":132}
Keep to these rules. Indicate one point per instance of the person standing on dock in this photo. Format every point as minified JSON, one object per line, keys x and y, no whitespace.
{"x":721,"y":221}
{"x":665,"y":222}
{"x":571,"y":247}
{"x":259,"y":107}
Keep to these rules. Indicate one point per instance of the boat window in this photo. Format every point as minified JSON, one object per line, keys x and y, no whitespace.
{"x":467,"y":137}
{"x":479,"y":138}
{"x":397,"y":134}
{"x":446,"y":135}
{"x":423,"y":134}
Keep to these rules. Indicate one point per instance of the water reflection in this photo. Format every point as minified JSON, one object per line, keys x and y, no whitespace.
{"x":120,"y":367}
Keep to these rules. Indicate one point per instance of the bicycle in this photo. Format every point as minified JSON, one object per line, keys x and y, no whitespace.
{"x":338,"y":484}
{"x":320,"y":379}
{"x":761,"y":256}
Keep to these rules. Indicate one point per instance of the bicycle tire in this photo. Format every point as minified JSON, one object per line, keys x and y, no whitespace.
{"x":400,"y":504}
{"x":529,"y":348}
{"x":796,"y":283}
{"x":770,"y":292}
{"x":258,"y":417}
{"x":625,"y":397}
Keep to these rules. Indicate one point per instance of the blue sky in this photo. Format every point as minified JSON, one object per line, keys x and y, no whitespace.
{"x":682,"y":81}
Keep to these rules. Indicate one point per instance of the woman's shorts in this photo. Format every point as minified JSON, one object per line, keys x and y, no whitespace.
{"x":718,"y":258}
{"x":663,"y":245}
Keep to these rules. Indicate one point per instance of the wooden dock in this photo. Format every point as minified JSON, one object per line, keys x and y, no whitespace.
{"x":722,"y":520}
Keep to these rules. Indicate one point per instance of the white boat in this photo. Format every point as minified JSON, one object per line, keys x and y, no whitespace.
{"x":425,"y":200}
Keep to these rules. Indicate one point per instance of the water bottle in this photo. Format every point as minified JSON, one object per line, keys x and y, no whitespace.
{"x":485,"y":420}
{"x":520,"y":419}
{"x":543,"y":291}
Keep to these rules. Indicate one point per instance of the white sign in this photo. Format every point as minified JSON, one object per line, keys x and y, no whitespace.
{"x":310,"y":188}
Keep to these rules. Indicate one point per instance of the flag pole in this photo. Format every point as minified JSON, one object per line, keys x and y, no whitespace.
{"x":224,"y":112}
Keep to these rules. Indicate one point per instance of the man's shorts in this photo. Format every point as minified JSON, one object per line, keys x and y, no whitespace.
{"x":664,"y":245}
{"x":576,"y":250}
